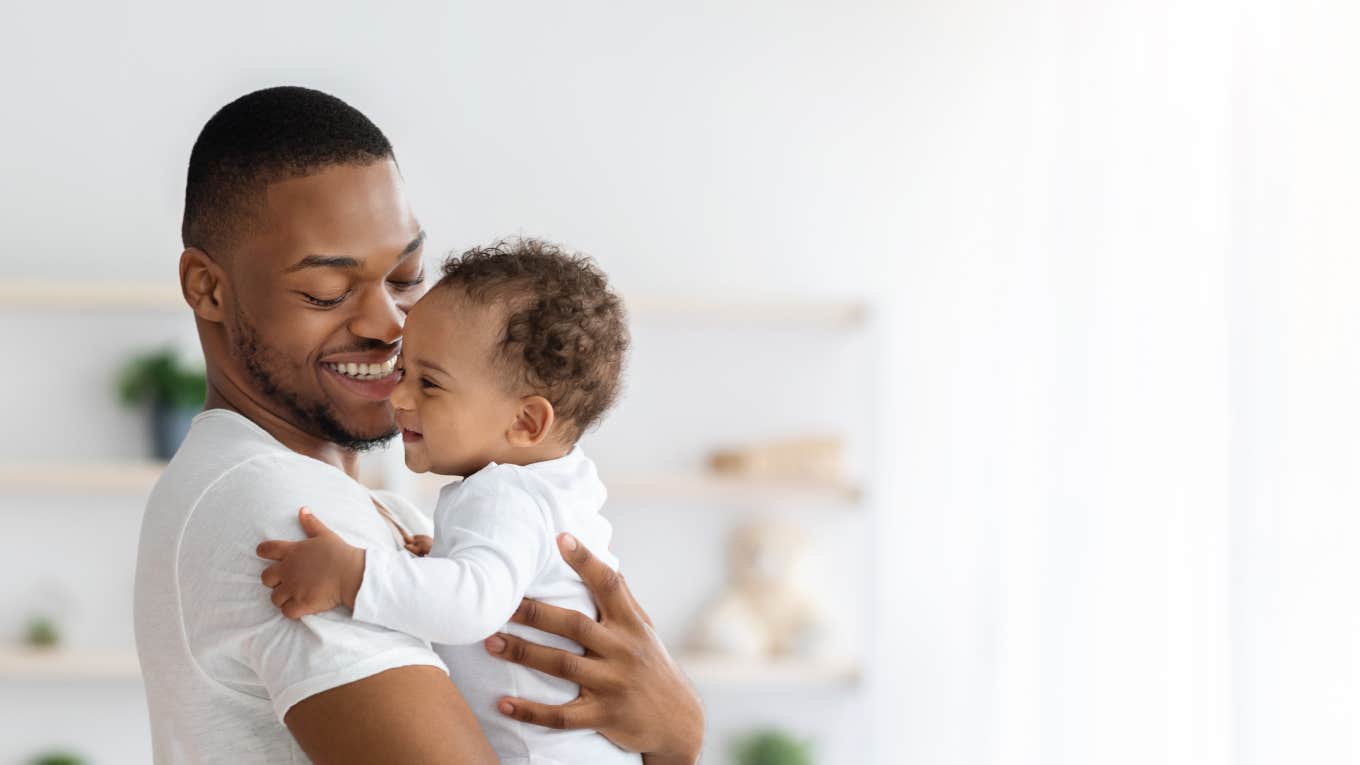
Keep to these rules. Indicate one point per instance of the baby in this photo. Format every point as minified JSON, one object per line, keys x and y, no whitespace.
{"x":506,"y":361}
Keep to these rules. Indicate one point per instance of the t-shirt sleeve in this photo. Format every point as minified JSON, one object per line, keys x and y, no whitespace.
{"x":491,"y":544}
{"x":235,"y":633}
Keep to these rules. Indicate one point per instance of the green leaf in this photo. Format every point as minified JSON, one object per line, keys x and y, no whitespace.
{"x":159,"y":376}
{"x":772,"y":747}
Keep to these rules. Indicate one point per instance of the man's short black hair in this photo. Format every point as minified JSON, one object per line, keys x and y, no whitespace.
{"x":261,"y":138}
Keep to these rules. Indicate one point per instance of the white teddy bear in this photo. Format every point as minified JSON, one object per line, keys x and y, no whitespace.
{"x":764,"y":613}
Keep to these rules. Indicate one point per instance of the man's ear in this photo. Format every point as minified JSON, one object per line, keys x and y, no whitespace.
{"x":203,"y":283}
{"x":533,"y":422}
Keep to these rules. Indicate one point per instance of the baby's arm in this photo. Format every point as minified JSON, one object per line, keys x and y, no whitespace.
{"x":498,"y":540}
{"x":500,"y":544}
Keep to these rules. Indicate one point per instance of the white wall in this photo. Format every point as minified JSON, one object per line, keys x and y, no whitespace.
{"x":716,"y":146}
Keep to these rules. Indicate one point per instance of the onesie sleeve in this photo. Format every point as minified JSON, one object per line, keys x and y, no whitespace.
{"x":494,"y":538}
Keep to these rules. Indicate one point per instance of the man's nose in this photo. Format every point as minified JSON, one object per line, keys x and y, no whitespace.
{"x":379,"y":317}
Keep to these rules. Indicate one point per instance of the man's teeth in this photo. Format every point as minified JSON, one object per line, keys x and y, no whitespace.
{"x":366,"y":371}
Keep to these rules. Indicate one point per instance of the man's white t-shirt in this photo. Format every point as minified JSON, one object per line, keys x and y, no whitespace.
{"x":221,"y":664}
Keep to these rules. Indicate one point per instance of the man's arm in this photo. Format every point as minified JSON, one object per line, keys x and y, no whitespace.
{"x":407,"y":715}
{"x":345,"y":690}
{"x":632,"y":691}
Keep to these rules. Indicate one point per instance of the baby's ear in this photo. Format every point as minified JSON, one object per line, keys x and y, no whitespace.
{"x":533,"y":421}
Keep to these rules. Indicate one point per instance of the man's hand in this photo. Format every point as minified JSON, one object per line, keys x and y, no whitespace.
{"x":314,"y":575}
{"x":632,"y":692}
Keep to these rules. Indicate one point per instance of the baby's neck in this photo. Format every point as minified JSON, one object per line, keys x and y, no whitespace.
{"x":524,"y":456}
{"x":528,"y":455}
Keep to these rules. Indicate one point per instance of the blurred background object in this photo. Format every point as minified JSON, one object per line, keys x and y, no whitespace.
{"x":58,"y":758}
{"x":795,"y":459}
{"x":1072,"y":283}
{"x":764,"y":612}
{"x":171,"y":392}
{"x":42,"y":632}
{"x":771,"y":747}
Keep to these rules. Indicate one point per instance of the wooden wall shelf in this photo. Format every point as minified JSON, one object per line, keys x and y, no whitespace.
{"x":703,"y":309}
{"x":138,"y":477}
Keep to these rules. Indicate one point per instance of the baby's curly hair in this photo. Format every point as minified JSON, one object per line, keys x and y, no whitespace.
{"x":566,"y":332}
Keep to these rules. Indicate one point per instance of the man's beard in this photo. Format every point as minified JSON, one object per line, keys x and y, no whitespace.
{"x":315,"y":417}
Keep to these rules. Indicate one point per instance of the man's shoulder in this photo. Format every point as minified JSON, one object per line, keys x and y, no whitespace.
{"x":265,"y":479}
{"x":230,"y":471}
{"x":219,"y":443}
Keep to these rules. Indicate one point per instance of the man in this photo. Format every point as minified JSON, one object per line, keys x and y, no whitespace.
{"x":301,"y":258}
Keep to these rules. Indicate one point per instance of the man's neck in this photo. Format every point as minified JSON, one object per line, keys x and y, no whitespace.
{"x":233,"y":399}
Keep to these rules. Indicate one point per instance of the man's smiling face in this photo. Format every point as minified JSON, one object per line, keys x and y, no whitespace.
{"x":322,"y":286}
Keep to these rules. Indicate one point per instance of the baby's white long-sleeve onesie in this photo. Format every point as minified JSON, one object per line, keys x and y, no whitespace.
{"x":495,"y":542}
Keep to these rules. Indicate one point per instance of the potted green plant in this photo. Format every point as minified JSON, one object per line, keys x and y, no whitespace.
{"x":42,"y":632}
{"x":174,"y":391}
{"x":771,"y":747}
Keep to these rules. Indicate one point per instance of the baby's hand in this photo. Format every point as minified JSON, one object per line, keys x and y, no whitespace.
{"x":420,"y":545}
{"x":314,"y":575}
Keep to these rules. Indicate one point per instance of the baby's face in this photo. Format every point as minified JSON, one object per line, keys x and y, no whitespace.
{"x":452,"y":404}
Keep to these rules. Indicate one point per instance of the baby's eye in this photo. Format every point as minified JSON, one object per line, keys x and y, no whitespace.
{"x":426,"y":382}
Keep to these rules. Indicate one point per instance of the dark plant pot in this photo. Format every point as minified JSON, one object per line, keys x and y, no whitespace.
{"x":169,"y":426}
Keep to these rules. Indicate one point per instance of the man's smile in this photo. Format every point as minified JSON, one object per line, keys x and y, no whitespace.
{"x":368,"y":375}
{"x":363,"y":370}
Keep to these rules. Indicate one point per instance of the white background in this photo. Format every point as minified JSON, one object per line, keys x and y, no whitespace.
{"x":1113,"y":243}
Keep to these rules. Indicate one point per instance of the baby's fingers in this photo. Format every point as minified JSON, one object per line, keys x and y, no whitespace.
{"x":296,"y":609}
{"x":271,"y":576}
{"x":274,"y":549}
{"x":279,"y":596}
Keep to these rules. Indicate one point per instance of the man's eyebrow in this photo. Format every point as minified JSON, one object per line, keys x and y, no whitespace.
{"x":344,"y":261}
{"x":415,"y":244}
{"x":323,"y":261}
